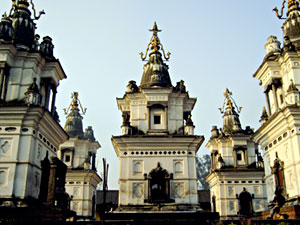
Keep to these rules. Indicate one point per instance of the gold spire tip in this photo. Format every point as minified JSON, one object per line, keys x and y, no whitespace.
{"x":155,"y":44}
{"x":292,"y":5}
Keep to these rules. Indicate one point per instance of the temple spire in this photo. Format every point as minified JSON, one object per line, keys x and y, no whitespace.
{"x":231,"y":121}
{"x":155,"y":70}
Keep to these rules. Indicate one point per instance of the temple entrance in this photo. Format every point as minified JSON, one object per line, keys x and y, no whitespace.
{"x":245,"y":203}
{"x":159,"y":185}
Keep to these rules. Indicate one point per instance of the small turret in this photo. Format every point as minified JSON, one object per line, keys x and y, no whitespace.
{"x":272,"y":46}
{"x":231,"y":121}
{"x":264,"y":116}
{"x":32,"y":95}
{"x":73,"y":125}
{"x":6,"y":28}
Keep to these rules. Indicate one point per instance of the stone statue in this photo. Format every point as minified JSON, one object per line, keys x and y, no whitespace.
{"x":180,"y":87}
{"x":132,"y":87}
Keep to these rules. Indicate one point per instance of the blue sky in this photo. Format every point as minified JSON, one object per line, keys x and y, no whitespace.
{"x":214,"y":44}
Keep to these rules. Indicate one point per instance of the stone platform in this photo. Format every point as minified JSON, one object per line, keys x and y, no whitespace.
{"x":162,"y":218}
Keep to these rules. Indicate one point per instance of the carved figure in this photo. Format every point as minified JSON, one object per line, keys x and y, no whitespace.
{"x":277,"y":170}
{"x":180,"y":87}
{"x":288,"y":45}
{"x":132,"y":87}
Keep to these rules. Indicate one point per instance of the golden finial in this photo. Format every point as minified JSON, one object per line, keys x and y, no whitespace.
{"x":155,"y":44}
{"x":25,"y":4}
{"x":229,"y":102}
{"x":292,"y":4}
{"x":74,"y":104}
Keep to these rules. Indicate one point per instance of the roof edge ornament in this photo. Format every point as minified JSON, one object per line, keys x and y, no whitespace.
{"x":74,"y":104}
{"x":292,"y":5}
{"x":155,"y":43}
{"x":34,"y":12}
{"x":228,"y":101}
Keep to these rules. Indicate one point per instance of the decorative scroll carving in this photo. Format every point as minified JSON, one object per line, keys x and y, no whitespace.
{"x":138,"y":190}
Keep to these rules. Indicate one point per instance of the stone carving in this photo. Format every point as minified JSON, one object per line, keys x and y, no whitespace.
{"x":231,"y":205}
{"x":137,"y":167}
{"x":230,"y":191}
{"x":256,"y":190}
{"x":178,"y":166}
{"x":288,"y":45}
{"x":277,"y":170}
{"x":180,"y":87}
{"x":4,"y":147}
{"x":132,"y":87}
{"x":75,"y":206}
{"x":257,"y":204}
{"x":138,"y":190}
{"x":76,"y":191}
{"x":179,"y":190}
{"x":2,"y":177}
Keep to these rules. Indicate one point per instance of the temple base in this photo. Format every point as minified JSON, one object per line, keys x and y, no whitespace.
{"x":174,"y":218}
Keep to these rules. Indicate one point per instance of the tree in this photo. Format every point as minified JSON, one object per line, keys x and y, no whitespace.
{"x":203,"y":169}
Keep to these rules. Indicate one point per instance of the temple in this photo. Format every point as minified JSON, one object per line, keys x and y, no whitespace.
{"x":278,"y":135}
{"x":79,"y":154}
{"x":236,"y":178}
{"x":157,"y":148}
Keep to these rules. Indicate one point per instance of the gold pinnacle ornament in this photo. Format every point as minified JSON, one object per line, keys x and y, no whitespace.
{"x":292,"y":5}
{"x":229,"y":101}
{"x":74,"y":104}
{"x":155,"y":44}
{"x":25,"y":4}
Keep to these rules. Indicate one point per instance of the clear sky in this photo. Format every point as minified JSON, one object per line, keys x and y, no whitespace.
{"x":214,"y":44}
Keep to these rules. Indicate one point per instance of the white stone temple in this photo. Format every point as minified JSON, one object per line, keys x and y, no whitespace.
{"x":279,"y":134}
{"x":30,"y":133}
{"x":157,"y":148}
{"x":79,"y":154}
{"x":236,"y":179}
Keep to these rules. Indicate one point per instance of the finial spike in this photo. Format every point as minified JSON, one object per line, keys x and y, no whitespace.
{"x":292,"y":5}
{"x":229,"y":101}
{"x":74,"y":104}
{"x":155,"y":44}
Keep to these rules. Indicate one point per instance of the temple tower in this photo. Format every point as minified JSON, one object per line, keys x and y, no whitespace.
{"x":30,"y":133}
{"x":79,"y":154}
{"x":157,"y":148}
{"x":279,"y":134}
{"x":236,"y":179}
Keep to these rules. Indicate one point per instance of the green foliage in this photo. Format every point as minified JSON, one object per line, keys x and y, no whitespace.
{"x":203,"y":169}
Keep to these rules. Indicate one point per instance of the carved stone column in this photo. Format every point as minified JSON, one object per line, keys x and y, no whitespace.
{"x":268,"y":102}
{"x":275,"y":97}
